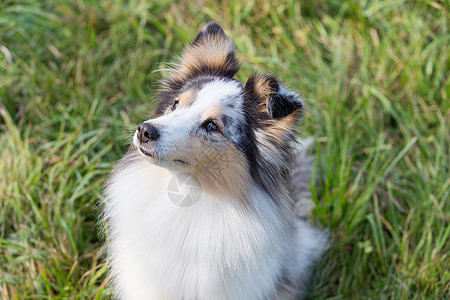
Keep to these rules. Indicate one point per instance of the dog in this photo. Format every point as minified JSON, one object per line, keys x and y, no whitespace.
{"x":203,"y":205}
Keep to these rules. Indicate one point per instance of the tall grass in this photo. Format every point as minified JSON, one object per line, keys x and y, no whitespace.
{"x":77,"y":76}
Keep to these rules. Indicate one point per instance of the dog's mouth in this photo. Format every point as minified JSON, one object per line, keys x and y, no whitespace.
{"x":145,"y":152}
{"x":159,"y":159}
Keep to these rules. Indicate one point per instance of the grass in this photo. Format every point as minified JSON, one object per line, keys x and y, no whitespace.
{"x":77,"y":76}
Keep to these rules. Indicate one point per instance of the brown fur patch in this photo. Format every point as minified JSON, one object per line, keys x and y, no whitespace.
{"x":224,"y":171}
{"x":262,"y":88}
{"x":187,"y":98}
{"x":215,"y":113}
{"x":212,"y":55}
{"x":218,"y":167}
{"x":276,"y":130}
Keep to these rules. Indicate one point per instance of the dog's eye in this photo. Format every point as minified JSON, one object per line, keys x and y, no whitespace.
{"x":175,"y":105}
{"x":210,"y":126}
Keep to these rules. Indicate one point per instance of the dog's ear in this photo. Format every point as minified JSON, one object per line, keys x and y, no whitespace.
{"x":210,"y":29}
{"x":271,"y":99}
{"x":211,"y":53}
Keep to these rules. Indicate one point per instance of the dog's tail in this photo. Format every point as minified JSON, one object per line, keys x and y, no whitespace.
{"x":302,"y":178}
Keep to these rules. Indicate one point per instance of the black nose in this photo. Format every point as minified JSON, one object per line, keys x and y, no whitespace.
{"x":147,"y":132}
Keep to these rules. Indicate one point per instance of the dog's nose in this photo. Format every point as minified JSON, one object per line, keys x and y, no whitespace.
{"x":147,"y":132}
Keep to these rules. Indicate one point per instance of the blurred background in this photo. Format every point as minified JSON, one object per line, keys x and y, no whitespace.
{"x":77,"y":76}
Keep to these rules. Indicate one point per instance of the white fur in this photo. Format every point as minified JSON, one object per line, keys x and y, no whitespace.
{"x":218,"y":248}
{"x":214,"y":249}
{"x":215,"y":92}
{"x":177,"y":126}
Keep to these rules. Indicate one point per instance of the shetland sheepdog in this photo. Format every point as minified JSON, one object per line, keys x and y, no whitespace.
{"x":203,"y":205}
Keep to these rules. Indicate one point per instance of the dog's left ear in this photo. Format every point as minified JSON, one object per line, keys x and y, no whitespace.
{"x":271,"y":99}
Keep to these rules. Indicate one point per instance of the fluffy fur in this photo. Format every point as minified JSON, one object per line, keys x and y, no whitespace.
{"x":248,"y":236}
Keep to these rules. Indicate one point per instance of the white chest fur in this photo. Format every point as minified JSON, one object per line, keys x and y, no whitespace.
{"x":214,"y":249}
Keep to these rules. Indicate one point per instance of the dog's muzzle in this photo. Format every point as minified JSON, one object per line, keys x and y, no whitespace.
{"x":147,"y":132}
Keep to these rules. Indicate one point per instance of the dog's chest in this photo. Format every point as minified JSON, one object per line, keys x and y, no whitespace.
{"x":210,"y":250}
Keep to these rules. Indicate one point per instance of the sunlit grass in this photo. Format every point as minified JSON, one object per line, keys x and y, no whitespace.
{"x":77,"y":76}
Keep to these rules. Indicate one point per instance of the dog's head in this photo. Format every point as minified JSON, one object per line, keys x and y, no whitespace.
{"x":218,"y":129}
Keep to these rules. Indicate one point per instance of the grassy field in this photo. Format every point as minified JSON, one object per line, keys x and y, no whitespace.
{"x":76,"y":77}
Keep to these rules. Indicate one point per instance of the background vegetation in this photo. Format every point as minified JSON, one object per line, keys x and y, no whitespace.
{"x":76,"y":77}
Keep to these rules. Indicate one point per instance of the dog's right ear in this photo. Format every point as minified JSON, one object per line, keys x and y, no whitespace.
{"x":210,"y":29}
{"x":211,"y":53}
